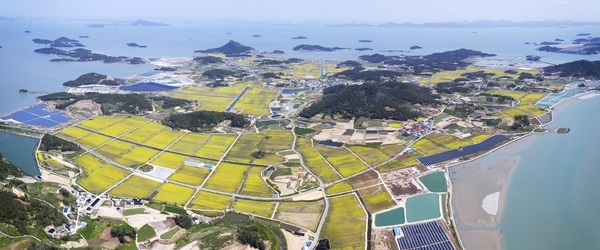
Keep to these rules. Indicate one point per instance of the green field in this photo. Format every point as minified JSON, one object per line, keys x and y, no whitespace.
{"x":405,"y":160}
{"x":255,"y":185}
{"x":135,"y":187}
{"x":227,"y":177}
{"x":345,"y":226}
{"x":302,"y":213}
{"x":428,"y":147}
{"x":210,"y":201}
{"x":315,"y":162}
{"x":216,"y":146}
{"x":448,"y":141}
{"x":134,"y":211}
{"x":173,"y":194}
{"x":343,"y":160}
{"x":260,"y":208}
{"x":169,"y":160}
{"x":145,"y":233}
{"x":98,"y":175}
{"x":190,"y":175}
{"x":249,"y":143}
{"x":376,"y":198}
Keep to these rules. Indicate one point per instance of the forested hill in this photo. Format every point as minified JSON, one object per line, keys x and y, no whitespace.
{"x":579,"y":69}
{"x":204,"y":120}
{"x":391,"y":100}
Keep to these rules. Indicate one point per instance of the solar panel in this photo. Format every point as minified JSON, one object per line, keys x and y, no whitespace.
{"x":147,"y":86}
{"x":464,"y":151}
{"x":425,"y":236}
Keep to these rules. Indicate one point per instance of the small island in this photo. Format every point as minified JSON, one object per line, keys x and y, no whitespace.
{"x":415,"y":47}
{"x":136,"y":45}
{"x":84,"y":36}
{"x":307,"y":47}
{"x":255,"y":35}
{"x":362,"y":49}
{"x":563,"y":130}
{"x":365,"y":41}
{"x":27,"y":31}
{"x":24,"y":91}
{"x":299,"y":37}
{"x":231,"y":48}
{"x":278,"y":52}
{"x":584,"y":34}
{"x":532,"y":58}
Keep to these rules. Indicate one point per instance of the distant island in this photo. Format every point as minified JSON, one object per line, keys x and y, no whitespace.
{"x":577,"y":69}
{"x":255,"y":35}
{"x":363,"y":49}
{"x":307,"y":47}
{"x":62,"y":42}
{"x":84,"y":36}
{"x":415,"y":47}
{"x":365,"y":41}
{"x":136,"y":45}
{"x":299,"y":37}
{"x":580,"y":46}
{"x":278,"y":52}
{"x":584,"y":34}
{"x":563,"y":130}
{"x":231,"y":48}
{"x":27,"y":31}
{"x":137,"y":23}
{"x":91,"y":79}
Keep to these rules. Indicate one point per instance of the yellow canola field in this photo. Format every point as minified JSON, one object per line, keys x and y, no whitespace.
{"x":163,"y":139}
{"x":377,"y":198}
{"x":93,"y":140}
{"x":98,"y":175}
{"x":137,"y":156}
{"x":190,"y":175}
{"x":135,"y":187}
{"x":173,"y":194}
{"x":337,"y":188}
{"x":216,"y":146}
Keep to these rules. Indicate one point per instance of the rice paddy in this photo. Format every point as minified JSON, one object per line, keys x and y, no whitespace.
{"x":190,"y":175}
{"x":405,"y":160}
{"x":428,"y":147}
{"x":123,"y":126}
{"x":345,"y":226}
{"x":73,"y":133}
{"x":315,"y":162}
{"x":189,"y":143}
{"x":173,"y":194}
{"x":448,"y":141}
{"x":376,"y":198}
{"x":210,"y":201}
{"x":343,"y":160}
{"x":249,"y":143}
{"x":114,"y":148}
{"x":337,"y":188}
{"x":227,"y":177}
{"x":145,"y":132}
{"x":169,"y":160}
{"x":98,"y":175}
{"x":255,"y":185}
{"x":163,"y":139}
{"x":135,"y":187}
{"x":255,"y":101}
{"x":215,"y":146}
{"x":100,"y":122}
{"x":477,"y":138}
{"x":260,"y":208}
{"x":137,"y":156}
{"x":513,"y":94}
{"x":304,"y":213}
{"x":93,"y":140}
{"x":376,"y":155}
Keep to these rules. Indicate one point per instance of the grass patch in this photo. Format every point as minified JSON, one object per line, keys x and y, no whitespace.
{"x":304,"y":131}
{"x":134,"y":211}
{"x":145,"y":233}
{"x":169,"y":234}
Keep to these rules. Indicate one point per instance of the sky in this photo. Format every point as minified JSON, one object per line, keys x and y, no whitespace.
{"x":326,"y":11}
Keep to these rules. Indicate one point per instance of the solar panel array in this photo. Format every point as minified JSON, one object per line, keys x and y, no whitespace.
{"x":464,"y":151}
{"x":425,"y":236}
{"x":37,"y":116}
{"x":148,"y":86}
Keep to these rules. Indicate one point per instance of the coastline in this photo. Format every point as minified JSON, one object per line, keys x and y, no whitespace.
{"x":473,"y":182}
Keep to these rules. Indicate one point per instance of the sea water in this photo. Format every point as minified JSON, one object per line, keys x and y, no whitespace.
{"x":552,"y":199}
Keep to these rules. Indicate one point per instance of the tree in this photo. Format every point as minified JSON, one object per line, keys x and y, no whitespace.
{"x":183,"y":220}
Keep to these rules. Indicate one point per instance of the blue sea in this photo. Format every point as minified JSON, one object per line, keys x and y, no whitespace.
{"x":552,"y":201}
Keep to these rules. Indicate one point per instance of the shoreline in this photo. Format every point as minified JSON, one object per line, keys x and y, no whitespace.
{"x":479,"y":235}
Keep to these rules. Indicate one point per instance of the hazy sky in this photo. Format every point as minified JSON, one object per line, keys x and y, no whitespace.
{"x":336,"y":11}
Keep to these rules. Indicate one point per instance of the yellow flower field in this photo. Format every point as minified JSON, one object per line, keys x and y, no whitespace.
{"x":376,"y":198}
{"x":73,"y":133}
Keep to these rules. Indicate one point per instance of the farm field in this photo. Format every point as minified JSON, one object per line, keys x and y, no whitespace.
{"x":124,"y":126}
{"x":449,"y":76}
{"x":169,"y":160}
{"x":305,"y":214}
{"x":428,"y":147}
{"x":315,"y":162}
{"x":190,"y":175}
{"x":99,"y":122}
{"x":210,"y":201}
{"x":73,"y":133}
{"x":376,"y":155}
{"x":163,"y":139}
{"x":512,"y":112}
{"x":513,"y":94}
{"x":173,"y":194}
{"x":376,"y":198}
{"x":255,"y":185}
{"x":532,"y":109}
{"x":477,"y":138}
{"x":405,"y":160}
{"x":216,"y":146}
{"x":260,"y":208}
{"x":189,"y":143}
{"x":93,"y":140}
{"x":136,"y":156}
{"x":255,"y":100}
{"x":448,"y":141}
{"x":98,"y":175}
{"x":278,"y":140}
{"x":212,"y":99}
{"x":249,"y":143}
{"x":337,"y":188}
{"x":343,"y":160}
{"x":227,"y":177}
{"x":135,"y":187}
{"x":345,"y":226}
{"x":143,"y":133}
{"x":114,"y":148}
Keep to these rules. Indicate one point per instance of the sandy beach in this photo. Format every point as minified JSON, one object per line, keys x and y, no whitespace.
{"x":478,"y":189}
